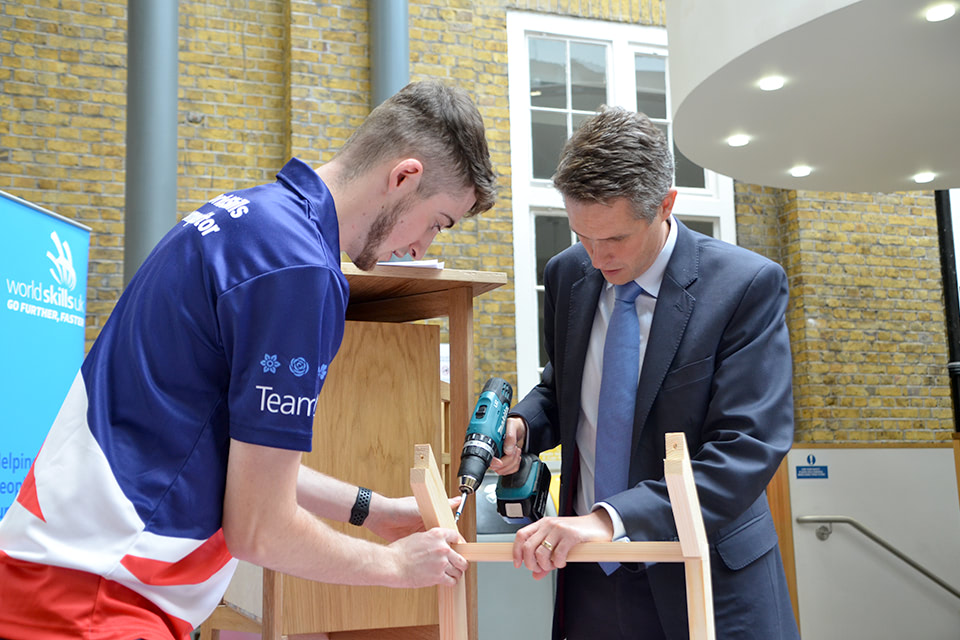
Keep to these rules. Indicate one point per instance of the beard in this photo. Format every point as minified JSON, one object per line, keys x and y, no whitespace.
{"x":378,"y":233}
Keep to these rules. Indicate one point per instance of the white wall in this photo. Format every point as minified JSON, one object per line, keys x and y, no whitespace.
{"x":849,"y":587}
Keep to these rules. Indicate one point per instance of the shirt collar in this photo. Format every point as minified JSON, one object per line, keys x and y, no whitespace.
{"x":301,"y":178}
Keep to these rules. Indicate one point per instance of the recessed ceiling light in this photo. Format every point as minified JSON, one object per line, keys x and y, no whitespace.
{"x":771,"y":83}
{"x":924,"y":177}
{"x":800,"y":171}
{"x":939,"y":12}
{"x":738,"y":140}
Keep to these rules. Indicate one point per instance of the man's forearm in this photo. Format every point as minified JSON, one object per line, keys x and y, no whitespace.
{"x":306,"y":547}
{"x":325,"y":496}
{"x":264,"y":523}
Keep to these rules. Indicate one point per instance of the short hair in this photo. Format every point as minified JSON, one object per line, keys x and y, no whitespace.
{"x":437,"y":124}
{"x":617,"y":154}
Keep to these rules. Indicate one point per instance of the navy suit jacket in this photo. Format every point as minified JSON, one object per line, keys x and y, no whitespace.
{"x":718,"y":368}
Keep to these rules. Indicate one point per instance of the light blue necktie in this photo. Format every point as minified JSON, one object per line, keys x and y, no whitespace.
{"x":618,"y":392}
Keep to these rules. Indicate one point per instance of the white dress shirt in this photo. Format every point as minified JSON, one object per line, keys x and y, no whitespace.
{"x":650,"y":281}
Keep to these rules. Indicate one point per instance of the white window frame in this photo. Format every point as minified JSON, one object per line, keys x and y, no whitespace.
{"x":713,"y":203}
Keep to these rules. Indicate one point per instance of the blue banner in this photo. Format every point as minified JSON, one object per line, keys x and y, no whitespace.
{"x":43,"y":270}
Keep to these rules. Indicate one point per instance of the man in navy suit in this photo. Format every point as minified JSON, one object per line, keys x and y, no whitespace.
{"x":714,"y":363}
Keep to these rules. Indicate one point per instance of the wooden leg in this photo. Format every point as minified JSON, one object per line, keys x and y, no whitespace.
{"x":272,"y":626}
{"x":699,"y":598}
{"x":207,"y":632}
{"x":693,"y":537}
{"x":434,"y":506}
{"x":460,"y":303}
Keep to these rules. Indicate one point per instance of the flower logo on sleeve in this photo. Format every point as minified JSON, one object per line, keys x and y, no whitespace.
{"x":299,"y":367}
{"x":270,"y":363}
{"x":323,"y":371}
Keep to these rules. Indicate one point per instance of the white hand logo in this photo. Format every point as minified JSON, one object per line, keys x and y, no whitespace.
{"x":63,"y":263}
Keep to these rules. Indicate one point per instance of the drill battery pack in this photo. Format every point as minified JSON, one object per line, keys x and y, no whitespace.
{"x":522,"y":496}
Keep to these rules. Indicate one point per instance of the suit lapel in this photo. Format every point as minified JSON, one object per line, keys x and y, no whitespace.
{"x":670,"y":317}
{"x":584,"y":295}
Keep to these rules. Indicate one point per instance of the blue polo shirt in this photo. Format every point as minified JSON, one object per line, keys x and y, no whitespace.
{"x":225,"y":332}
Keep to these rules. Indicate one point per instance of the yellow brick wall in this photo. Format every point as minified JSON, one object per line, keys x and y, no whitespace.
{"x":63,"y":102}
{"x":261,"y":80}
{"x":329,"y":75}
{"x":232,"y":84}
{"x":758,"y":213}
{"x":866,"y":319}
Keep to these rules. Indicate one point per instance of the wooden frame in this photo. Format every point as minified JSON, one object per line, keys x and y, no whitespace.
{"x":692,"y":548}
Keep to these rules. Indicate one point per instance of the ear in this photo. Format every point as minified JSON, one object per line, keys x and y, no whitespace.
{"x":406,"y":175}
{"x":666,"y":207}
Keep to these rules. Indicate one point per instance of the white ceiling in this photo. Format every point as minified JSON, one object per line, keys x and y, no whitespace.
{"x":872,"y":97}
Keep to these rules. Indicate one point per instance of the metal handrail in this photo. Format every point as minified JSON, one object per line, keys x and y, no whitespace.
{"x":824,"y":532}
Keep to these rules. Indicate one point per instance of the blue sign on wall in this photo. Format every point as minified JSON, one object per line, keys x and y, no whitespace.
{"x":812,"y":469}
{"x":43,"y":272}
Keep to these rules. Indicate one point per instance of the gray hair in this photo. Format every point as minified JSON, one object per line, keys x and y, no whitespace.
{"x":617,"y":154}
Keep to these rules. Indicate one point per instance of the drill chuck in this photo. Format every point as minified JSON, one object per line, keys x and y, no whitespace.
{"x":478,"y":451}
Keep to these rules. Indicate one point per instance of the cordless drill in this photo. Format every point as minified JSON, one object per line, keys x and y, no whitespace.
{"x":521,"y":497}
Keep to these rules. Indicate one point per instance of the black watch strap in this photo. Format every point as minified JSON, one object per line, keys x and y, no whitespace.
{"x":361,"y":507}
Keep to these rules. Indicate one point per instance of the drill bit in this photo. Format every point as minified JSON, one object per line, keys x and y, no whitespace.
{"x":463,"y":501}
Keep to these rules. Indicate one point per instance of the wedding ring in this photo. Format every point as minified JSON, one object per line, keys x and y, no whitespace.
{"x":546,"y":544}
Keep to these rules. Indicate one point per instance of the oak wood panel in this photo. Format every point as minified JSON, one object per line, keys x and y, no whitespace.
{"x":403,"y":294}
{"x":428,"y":632}
{"x":380,"y":398}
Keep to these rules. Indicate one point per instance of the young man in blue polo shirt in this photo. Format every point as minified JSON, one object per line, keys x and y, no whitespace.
{"x":177,"y":450}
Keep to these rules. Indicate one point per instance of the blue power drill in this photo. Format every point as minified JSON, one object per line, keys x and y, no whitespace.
{"x":521,"y":496}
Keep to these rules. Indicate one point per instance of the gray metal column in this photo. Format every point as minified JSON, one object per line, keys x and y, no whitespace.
{"x":151,"y":172}
{"x":389,"y":49}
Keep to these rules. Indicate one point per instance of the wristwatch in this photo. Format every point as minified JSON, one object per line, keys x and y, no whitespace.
{"x":361,"y":507}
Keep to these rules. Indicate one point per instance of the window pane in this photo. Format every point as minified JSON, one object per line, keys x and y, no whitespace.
{"x":651,"y":86}
{"x":549,"y":133}
{"x":703,"y":226}
{"x":588,"y":75}
{"x":552,"y":237}
{"x":688,"y":174}
{"x":578,"y":119}
{"x":663,"y":129}
{"x":548,"y":73}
